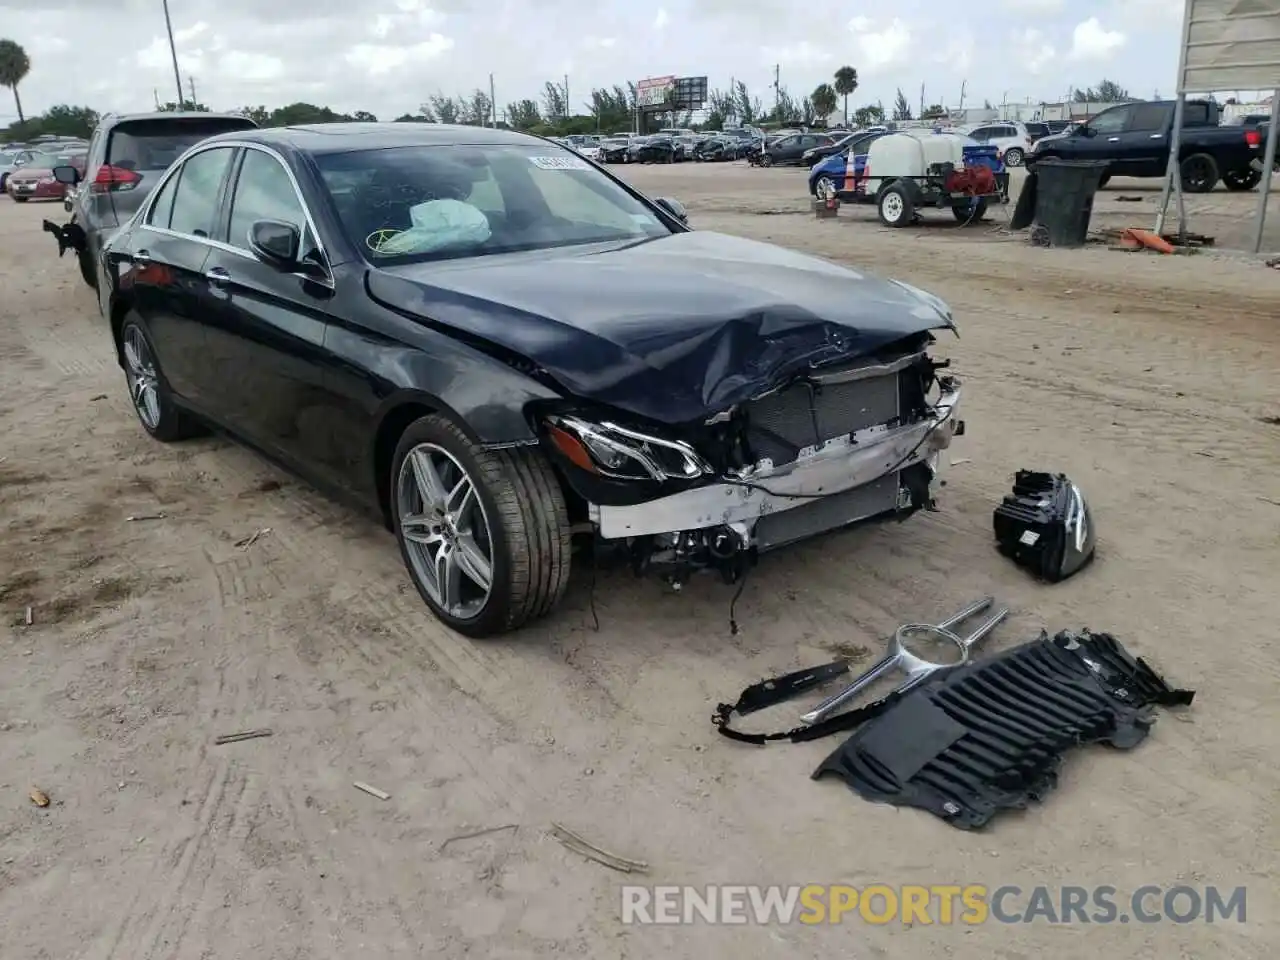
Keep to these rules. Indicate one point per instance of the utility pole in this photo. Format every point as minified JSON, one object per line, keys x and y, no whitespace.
{"x":921,"y":113}
{"x":567,"y":114}
{"x":173,"y":51}
{"x":963,"y":85}
{"x":493,"y":104}
{"x":156,"y":94}
{"x":777,"y":91}
{"x":191,"y":82}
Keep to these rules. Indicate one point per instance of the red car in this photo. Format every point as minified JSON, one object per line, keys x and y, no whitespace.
{"x":35,"y":181}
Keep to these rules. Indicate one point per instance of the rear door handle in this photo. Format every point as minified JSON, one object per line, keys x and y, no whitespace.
{"x":142,"y":256}
{"x":1156,"y":136}
{"x":1113,"y":139}
{"x":217,"y":276}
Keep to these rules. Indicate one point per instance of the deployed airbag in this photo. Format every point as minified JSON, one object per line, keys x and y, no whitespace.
{"x":991,"y":735}
{"x":438,"y":224}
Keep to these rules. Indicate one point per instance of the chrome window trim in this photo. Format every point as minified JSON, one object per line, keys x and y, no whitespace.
{"x":144,"y":214}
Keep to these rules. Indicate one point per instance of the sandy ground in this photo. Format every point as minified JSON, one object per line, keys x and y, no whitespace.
{"x":1150,"y":380}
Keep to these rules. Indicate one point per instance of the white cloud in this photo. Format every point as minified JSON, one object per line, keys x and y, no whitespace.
{"x":1034,"y":7}
{"x":661,"y":19}
{"x":1090,"y":41}
{"x":187,"y":34}
{"x":600,"y":43}
{"x":880,"y":45}
{"x":377,"y":59}
{"x":959,"y":52}
{"x":1035,"y":51}
{"x":802,"y":54}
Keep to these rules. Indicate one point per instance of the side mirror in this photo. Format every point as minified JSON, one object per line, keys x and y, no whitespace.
{"x":675,"y":208}
{"x":275,"y":242}
{"x":68,"y":175}
{"x":1084,"y":130}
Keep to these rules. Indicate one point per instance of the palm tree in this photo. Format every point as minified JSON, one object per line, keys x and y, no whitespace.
{"x":824,"y":101}
{"x":846,"y":83}
{"x":14,"y":67}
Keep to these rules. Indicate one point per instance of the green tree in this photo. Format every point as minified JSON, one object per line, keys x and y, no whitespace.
{"x":364,"y":116}
{"x":555,"y":101}
{"x":1108,"y":91}
{"x":295,"y":114}
{"x":824,"y":100}
{"x":444,"y":108}
{"x":933,"y":112}
{"x":846,"y":82}
{"x":14,"y":67}
{"x":868,"y":116}
{"x":188,"y":106}
{"x":901,"y":109}
{"x":259,"y":115}
{"x":475,"y":110}
{"x":65,"y":120}
{"x":523,"y":115}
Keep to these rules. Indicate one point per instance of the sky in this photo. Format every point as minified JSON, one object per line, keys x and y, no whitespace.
{"x":388,"y":56}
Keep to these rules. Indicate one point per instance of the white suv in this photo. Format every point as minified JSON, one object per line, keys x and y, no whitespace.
{"x":1010,"y":138}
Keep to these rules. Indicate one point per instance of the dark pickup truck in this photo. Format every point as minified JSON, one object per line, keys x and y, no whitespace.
{"x":1134,"y":140}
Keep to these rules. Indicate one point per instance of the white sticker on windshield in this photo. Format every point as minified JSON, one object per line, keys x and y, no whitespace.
{"x":560,"y":163}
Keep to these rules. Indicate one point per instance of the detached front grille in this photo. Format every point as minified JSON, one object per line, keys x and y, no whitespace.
{"x":779,"y":426}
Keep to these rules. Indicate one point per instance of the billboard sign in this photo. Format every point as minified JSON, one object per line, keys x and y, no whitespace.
{"x":654,"y":92}
{"x":1230,"y":45}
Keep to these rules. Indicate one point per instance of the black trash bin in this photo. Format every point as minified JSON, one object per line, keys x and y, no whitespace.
{"x":1063,"y":198}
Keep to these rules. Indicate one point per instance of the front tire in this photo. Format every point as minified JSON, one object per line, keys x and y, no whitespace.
{"x":821,"y":185}
{"x":484,"y":534}
{"x":88,"y":271}
{"x":895,"y":206}
{"x":1013,"y":157}
{"x":21,"y":199}
{"x":152,"y":399}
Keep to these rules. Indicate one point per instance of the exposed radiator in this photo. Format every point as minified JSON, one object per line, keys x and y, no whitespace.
{"x":803,"y":415}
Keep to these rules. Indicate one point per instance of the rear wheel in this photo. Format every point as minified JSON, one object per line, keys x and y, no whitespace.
{"x":766,"y":160}
{"x":965,"y":213}
{"x":1013,"y":157}
{"x":1241,"y":179}
{"x":484,"y":534}
{"x":895,"y":206}
{"x":152,"y":399}
{"x":1199,"y":173}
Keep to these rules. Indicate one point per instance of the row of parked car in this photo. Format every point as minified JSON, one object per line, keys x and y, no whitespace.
{"x":26,"y":169}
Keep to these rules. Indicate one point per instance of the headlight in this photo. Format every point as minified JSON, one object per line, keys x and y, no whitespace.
{"x":620,"y":453}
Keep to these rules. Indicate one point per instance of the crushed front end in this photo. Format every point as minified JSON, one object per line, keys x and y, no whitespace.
{"x":832,"y":446}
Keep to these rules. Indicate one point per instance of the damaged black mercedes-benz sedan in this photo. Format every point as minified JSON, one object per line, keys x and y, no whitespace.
{"x":498,"y":345}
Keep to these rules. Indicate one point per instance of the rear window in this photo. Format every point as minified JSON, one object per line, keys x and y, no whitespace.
{"x":156,"y":144}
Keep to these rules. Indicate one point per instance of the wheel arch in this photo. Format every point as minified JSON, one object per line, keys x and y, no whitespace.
{"x":397,"y":412}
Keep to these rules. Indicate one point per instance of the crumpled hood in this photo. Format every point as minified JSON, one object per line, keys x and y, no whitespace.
{"x":674,"y":329}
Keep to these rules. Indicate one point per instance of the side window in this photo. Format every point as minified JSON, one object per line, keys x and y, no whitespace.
{"x":162,"y":212}
{"x":1149,"y":117}
{"x":263,"y":192}
{"x":1111,"y":121}
{"x":1011,"y":132}
{"x":981,"y":134}
{"x":195,"y":205}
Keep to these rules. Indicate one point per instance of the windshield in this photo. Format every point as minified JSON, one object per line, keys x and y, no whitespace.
{"x":413,"y":204}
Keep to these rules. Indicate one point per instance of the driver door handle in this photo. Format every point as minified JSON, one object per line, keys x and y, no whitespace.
{"x":1113,"y":139}
{"x":217,"y":276}
{"x":142,"y":257}
{"x":1156,"y":136}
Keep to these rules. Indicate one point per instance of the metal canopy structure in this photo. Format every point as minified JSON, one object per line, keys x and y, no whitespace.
{"x":1226,"y":45}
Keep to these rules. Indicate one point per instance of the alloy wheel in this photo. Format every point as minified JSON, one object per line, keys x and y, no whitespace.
{"x":140,"y":372}
{"x":445,"y":530}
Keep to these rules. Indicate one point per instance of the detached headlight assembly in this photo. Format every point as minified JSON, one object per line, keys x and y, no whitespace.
{"x":620,"y":453}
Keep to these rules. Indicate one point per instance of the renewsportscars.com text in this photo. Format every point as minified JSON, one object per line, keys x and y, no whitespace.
{"x":944,"y":904}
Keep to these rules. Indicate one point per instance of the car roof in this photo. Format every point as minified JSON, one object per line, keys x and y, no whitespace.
{"x":322,"y":138}
{"x":118,"y":118}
